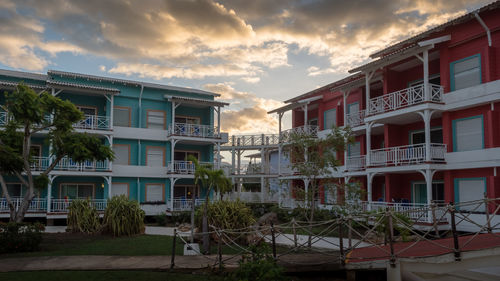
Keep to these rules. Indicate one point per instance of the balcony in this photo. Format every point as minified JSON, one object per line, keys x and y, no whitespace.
{"x":355,"y":119}
{"x":307,"y":130}
{"x":184,"y":204}
{"x":61,"y":205}
{"x":415,"y":211}
{"x":404,"y":98}
{"x":356,"y":163}
{"x":407,"y":155}
{"x":67,"y":164}
{"x":185,"y":167}
{"x":254,"y":140}
{"x":93,"y":122}
{"x":37,"y":205}
{"x":194,"y":130}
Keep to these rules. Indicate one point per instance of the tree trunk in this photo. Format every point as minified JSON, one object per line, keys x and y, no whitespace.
{"x":206,"y":237}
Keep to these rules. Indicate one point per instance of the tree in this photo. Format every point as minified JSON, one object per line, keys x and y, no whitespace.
{"x":29,"y":113}
{"x":212,"y":179}
{"x":314,"y":159}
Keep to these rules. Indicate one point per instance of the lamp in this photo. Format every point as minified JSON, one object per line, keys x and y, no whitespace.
{"x":102,"y":185}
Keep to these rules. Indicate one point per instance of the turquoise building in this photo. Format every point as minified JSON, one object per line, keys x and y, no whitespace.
{"x":152,"y":129}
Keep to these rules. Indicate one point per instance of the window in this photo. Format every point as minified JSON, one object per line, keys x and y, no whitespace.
{"x":417,"y":137}
{"x":119,"y":189}
{"x":156,"y":119}
{"x":330,"y":119}
{"x":353,"y":107}
{"x":470,"y":190}
{"x":87,"y":110}
{"x":468,"y":134}
{"x":15,"y":190}
{"x":122,"y":154}
{"x":155,"y":156}
{"x":354,"y":149}
{"x":121,"y":116}
{"x":187,"y":120}
{"x":312,"y":122}
{"x":465,"y":72}
{"x":154,"y":192}
{"x":183,"y":155}
{"x":76,"y":190}
{"x":184,"y":191}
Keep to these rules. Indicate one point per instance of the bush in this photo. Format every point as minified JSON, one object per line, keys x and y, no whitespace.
{"x":258,"y":266}
{"x":226,"y":215}
{"x":161,"y":219}
{"x":83,"y":217}
{"x":123,"y":217}
{"x":181,"y":217}
{"x":20,"y":237}
{"x":259,"y":209}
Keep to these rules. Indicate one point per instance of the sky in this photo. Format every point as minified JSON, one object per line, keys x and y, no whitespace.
{"x":255,"y":53}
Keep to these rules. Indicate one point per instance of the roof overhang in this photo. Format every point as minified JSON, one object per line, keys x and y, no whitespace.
{"x":13,"y":85}
{"x":195,"y":102}
{"x":294,"y":105}
{"x":387,"y":60}
{"x":82,"y":88}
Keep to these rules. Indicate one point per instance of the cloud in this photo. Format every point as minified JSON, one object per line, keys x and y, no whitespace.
{"x":247,"y":113}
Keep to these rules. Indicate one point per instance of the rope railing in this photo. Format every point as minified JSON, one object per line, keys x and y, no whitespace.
{"x":338,"y":238}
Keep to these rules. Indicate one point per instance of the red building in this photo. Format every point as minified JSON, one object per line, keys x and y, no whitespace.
{"x":425,"y":113}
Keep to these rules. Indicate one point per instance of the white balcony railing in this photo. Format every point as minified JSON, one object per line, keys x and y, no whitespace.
{"x":61,"y":205}
{"x":3,"y":118}
{"x":93,"y":122}
{"x":407,"y":154}
{"x":404,"y":98}
{"x":194,"y":130}
{"x":184,"y":204}
{"x":356,"y":118}
{"x":40,"y":163}
{"x":253,"y":140}
{"x":415,"y":211}
{"x":36,"y":205}
{"x":356,"y":163}
{"x":67,"y":164}
{"x":185,"y":167}
{"x":309,"y":130}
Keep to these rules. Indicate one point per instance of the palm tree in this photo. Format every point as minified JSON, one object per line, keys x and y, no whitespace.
{"x":212,"y":179}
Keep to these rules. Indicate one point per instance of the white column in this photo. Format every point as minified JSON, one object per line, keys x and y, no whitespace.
{"x":279,"y":159}
{"x":368,"y":142}
{"x":110,"y":145}
{"x":305,"y":114}
{"x":239,"y":162}
{"x":233,"y":159}
{"x":426,"y":75}
{"x":428,"y":182}
{"x":172,"y":146}
{"x":108,"y":181}
{"x":262,"y":160}
{"x":49,"y":195}
{"x":173,"y":118}
{"x":280,"y":116}
{"x":344,"y":102}
{"x":172,"y":184}
{"x":111,"y":113}
{"x":369,"y":178}
{"x":262,"y":190}
{"x":427,"y":123}
{"x":218,"y":120}
{"x":368,"y":77}
{"x":218,"y":155}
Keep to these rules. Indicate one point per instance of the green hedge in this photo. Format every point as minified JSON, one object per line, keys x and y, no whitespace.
{"x":20,"y":237}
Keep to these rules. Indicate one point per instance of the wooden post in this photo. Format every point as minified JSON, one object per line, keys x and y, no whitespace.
{"x":273,"y":240}
{"x":341,"y":241}
{"x":434,"y":220}
{"x":219,"y":250}
{"x":294,"y":234}
{"x":391,"y":237}
{"x":456,"y":246}
{"x":487,"y":212}
{"x":349,"y":231}
{"x":172,"y":262}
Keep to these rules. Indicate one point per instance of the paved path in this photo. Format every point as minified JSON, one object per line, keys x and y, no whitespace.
{"x":292,"y":263}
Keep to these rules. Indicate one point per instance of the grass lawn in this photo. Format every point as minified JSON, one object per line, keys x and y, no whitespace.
{"x":103,"y":275}
{"x":71,"y":244}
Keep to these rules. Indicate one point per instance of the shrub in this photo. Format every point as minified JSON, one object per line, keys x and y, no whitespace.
{"x":161,"y":219}
{"x":20,"y":237}
{"x":227,"y":215}
{"x":83,"y":217}
{"x":123,"y":217}
{"x":181,"y":217}
{"x":258,"y":266}
{"x":259,"y":209}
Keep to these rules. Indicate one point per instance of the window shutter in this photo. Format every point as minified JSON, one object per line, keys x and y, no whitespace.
{"x":154,"y":193}
{"x":155,"y":156}
{"x":353,"y":107}
{"x":469,"y":134}
{"x":156,"y":120}
{"x":467,"y":73}
{"x":119,"y":189}
{"x":471,"y":190}
{"x":330,"y":119}
{"x":122,"y":154}
{"x":121,"y":117}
